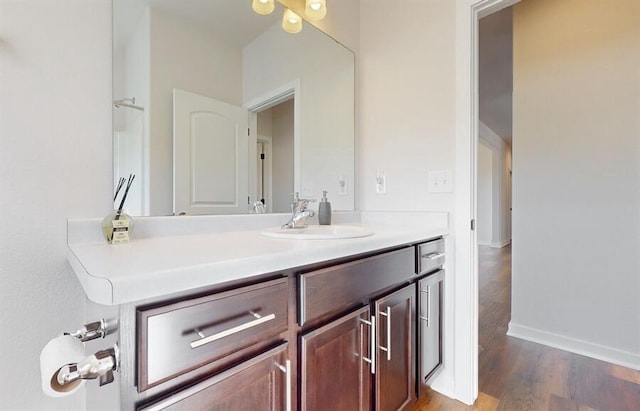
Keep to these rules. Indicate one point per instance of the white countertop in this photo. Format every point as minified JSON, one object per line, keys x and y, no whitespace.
{"x":160,"y":265}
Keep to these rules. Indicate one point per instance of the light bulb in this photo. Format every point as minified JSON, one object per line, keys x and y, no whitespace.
{"x":315,"y":9}
{"x":263,"y":6}
{"x":291,"y":22}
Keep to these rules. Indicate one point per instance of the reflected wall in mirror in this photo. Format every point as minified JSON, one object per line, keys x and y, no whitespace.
{"x":187,"y":64}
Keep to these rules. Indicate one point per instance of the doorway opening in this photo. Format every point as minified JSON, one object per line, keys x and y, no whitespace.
{"x":493,"y":182}
{"x":275,"y":156}
{"x":274,"y":123}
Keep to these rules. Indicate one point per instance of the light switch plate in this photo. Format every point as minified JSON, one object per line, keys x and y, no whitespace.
{"x":381,"y":185}
{"x":440,"y":181}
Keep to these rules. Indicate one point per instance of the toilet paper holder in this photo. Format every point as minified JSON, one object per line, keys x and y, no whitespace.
{"x":91,"y":331}
{"x":100,"y":365}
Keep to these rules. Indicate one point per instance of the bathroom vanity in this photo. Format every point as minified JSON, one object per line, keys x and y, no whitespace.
{"x":283,"y":324}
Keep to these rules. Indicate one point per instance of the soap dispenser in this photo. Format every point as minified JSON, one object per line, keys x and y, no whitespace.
{"x":324,"y":210}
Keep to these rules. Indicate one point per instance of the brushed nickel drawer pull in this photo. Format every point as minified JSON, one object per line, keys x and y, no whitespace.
{"x":433,"y":256}
{"x":427,"y":319}
{"x":387,"y":349}
{"x":222,"y":334}
{"x":372,"y":344}
{"x":287,"y":370}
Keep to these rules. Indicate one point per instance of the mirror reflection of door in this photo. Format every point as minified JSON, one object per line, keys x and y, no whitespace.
{"x":276,"y":134}
{"x":211,"y":155}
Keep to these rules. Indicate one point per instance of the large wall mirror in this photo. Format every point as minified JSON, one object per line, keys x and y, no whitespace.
{"x":216,"y":108}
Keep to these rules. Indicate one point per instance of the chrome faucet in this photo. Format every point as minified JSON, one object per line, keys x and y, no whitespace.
{"x":299,"y":213}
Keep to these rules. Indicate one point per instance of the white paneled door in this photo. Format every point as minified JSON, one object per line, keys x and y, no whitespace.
{"x":210,"y":155}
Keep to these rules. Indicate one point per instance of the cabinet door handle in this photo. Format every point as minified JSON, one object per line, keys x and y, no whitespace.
{"x":387,"y":349}
{"x":372,"y":344}
{"x":427,"y":319}
{"x":287,"y":370}
{"x":433,"y":256}
{"x":206,"y":340}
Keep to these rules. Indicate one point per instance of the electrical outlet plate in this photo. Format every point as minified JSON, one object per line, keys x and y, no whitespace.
{"x":343,"y":189}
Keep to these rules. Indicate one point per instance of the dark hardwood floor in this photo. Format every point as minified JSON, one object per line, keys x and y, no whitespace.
{"x":517,"y":375}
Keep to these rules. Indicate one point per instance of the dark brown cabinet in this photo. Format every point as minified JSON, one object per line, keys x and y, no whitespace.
{"x":335,"y":374}
{"x":365,"y":360}
{"x":395,"y":375}
{"x":358,"y":334}
{"x":430,"y":292}
{"x":259,"y":384}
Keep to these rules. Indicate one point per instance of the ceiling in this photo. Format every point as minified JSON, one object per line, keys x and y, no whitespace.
{"x":496,"y":72}
{"x":233,"y":20}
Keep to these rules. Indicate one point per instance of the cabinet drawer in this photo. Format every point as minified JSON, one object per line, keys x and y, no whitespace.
{"x":336,"y":288}
{"x":260,"y":383}
{"x":176,"y":338}
{"x":430,"y":256}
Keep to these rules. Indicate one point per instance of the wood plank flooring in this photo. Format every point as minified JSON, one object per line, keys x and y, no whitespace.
{"x":517,"y":375}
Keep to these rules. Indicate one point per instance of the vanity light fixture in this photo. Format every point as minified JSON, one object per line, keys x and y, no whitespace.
{"x":291,"y":22}
{"x":315,"y":9}
{"x":263,"y":7}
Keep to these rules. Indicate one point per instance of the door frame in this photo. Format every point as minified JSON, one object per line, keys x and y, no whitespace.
{"x":468,"y":14}
{"x":268,"y":167}
{"x":266,"y":101}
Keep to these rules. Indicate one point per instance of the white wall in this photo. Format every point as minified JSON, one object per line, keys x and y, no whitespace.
{"x":55,"y":162}
{"x":485,"y":195}
{"x":576,"y":158}
{"x":406,"y":96}
{"x":326,"y":109}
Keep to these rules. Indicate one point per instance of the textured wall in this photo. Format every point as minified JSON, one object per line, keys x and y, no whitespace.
{"x":55,"y":162}
{"x":406,"y":81}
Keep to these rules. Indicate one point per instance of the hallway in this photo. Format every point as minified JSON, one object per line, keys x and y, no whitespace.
{"x":519,"y":375}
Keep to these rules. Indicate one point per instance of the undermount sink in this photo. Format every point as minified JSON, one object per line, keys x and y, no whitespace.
{"x":318,"y":232}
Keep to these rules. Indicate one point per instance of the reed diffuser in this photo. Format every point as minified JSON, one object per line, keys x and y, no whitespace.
{"x":117,"y":226}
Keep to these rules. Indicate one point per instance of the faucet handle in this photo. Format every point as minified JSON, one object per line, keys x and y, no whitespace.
{"x":304,"y":202}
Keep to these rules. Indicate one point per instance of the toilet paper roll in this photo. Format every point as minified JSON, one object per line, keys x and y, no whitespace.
{"x":58,"y":352}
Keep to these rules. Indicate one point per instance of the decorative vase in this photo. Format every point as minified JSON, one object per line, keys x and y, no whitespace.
{"x":117,"y":227}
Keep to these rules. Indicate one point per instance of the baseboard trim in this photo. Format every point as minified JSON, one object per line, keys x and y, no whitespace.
{"x":495,"y":244}
{"x":444,"y":384}
{"x":501,"y":244}
{"x":597,"y":351}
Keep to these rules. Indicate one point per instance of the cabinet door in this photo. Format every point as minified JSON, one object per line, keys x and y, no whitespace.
{"x":259,"y":384}
{"x":430,"y":325}
{"x":395,"y":375}
{"x":335,"y":373}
